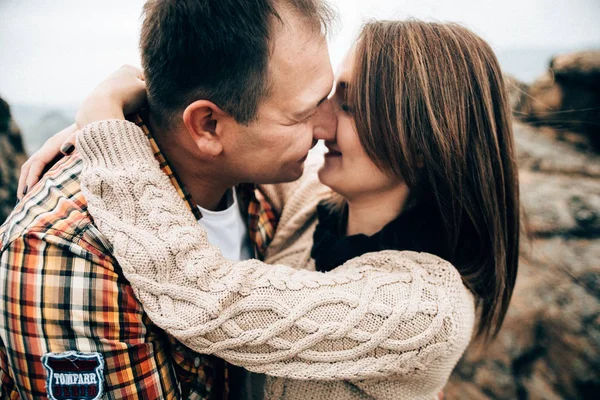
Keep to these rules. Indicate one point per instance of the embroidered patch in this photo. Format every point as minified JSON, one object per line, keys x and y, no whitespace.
{"x":74,"y":375}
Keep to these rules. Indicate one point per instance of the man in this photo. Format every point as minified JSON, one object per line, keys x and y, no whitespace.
{"x":237,"y":92}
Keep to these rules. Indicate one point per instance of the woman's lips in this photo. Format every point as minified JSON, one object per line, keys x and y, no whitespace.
{"x":333,"y":153}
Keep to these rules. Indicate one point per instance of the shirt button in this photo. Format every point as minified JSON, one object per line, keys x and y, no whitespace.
{"x":197,"y":362}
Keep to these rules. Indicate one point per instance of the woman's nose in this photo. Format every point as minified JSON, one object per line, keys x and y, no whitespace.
{"x":325,"y":122}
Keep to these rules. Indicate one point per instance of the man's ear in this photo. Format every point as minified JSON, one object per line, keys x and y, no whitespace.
{"x":202,"y":119}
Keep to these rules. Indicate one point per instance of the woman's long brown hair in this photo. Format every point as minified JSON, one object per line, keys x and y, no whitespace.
{"x":431,"y":107}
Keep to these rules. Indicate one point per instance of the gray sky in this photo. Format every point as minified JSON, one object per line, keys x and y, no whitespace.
{"x":55,"y":52}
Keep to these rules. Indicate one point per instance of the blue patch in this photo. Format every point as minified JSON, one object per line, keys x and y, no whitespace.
{"x":74,"y":375}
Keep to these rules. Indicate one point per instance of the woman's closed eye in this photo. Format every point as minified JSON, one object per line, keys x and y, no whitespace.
{"x":343,"y":105}
{"x":340,"y":97}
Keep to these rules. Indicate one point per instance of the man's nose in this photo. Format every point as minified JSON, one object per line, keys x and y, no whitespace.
{"x":325,"y":122}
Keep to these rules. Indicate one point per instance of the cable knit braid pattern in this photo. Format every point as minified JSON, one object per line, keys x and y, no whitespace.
{"x":382,"y":314}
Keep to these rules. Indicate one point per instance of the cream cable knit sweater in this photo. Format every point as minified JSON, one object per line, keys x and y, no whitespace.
{"x":402,"y":316}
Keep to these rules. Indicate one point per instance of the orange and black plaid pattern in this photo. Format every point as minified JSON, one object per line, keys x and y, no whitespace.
{"x":61,"y":290}
{"x":262,"y":219}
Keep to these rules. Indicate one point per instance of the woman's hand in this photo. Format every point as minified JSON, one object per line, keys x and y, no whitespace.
{"x":59,"y":145}
{"x":122,"y":93}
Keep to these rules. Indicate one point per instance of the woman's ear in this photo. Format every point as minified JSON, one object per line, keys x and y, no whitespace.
{"x":202,"y":119}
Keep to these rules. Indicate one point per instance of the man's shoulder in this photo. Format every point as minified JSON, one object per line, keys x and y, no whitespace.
{"x":55,"y":207}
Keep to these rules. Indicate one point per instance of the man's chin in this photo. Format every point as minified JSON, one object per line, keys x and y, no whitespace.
{"x":290,"y":174}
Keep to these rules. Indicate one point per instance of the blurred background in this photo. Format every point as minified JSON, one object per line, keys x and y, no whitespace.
{"x":55,"y":52}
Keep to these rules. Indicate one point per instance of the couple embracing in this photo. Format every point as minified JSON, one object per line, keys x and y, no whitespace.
{"x":196,"y":249}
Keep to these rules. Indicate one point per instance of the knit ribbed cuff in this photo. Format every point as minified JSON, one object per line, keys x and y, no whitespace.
{"x":114,"y":143}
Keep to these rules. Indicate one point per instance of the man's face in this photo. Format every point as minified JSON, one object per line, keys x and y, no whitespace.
{"x":295,"y":114}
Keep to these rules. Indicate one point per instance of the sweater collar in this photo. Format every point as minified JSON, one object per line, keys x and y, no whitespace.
{"x":417,"y":228}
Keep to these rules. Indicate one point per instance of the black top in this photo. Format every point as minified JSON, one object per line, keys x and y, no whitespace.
{"x":418,"y":228}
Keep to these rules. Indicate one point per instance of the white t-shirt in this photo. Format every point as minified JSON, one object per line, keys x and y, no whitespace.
{"x":227,"y":230}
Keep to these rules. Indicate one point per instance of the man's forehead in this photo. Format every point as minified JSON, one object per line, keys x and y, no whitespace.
{"x":297,"y":93}
{"x":301,"y":75}
{"x":295,"y":40}
{"x":300,"y":71}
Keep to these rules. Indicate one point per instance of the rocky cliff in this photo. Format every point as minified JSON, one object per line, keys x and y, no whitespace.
{"x":566,"y":97}
{"x":549,"y":347}
{"x":12,"y":156}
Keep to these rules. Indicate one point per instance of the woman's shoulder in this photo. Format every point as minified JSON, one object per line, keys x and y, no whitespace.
{"x":437,"y":300}
{"x":432,"y":270}
{"x":455,"y":303}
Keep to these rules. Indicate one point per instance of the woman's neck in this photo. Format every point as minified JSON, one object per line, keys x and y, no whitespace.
{"x":370,"y":213}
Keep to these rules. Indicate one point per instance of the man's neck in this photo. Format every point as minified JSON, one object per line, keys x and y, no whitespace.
{"x":371,"y":212}
{"x":202,"y":181}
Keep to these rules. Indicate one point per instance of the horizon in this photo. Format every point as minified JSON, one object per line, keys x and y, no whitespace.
{"x":524,"y":70}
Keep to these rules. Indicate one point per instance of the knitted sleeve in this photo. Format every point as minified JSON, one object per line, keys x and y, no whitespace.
{"x":381,"y":314}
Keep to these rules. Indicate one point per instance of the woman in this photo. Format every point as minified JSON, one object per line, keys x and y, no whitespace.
{"x":423,"y":160}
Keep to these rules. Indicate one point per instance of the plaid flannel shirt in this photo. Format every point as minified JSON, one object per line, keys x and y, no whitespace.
{"x":62,"y":290}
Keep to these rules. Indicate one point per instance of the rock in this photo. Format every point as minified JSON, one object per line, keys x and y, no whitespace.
{"x":542,"y":149}
{"x":12,"y":156}
{"x":583,"y":67}
{"x":549,"y":346}
{"x":566,"y":97}
{"x":559,"y":184}
{"x":561,"y":205}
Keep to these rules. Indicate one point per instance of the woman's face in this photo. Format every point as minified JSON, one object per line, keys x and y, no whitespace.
{"x":348,"y":170}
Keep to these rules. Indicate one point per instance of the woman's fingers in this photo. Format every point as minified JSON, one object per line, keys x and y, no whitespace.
{"x":21,"y":190}
{"x":69,"y":146}
{"x":31,"y":173}
{"x":34,"y":174}
{"x":58,"y":145}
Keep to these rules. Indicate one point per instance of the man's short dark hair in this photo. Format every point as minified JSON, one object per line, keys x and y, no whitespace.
{"x":216,"y":50}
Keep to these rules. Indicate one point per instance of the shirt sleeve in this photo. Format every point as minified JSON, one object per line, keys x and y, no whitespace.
{"x":386,"y":313}
{"x":57,"y":299}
